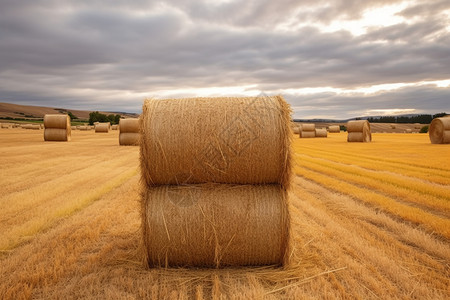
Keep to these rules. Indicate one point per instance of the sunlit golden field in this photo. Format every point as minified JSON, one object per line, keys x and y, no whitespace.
{"x":369,"y":221}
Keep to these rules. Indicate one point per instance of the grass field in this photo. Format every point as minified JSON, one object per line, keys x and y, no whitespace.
{"x":370,"y":221}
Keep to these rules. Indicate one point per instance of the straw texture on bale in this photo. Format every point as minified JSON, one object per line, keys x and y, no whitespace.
{"x":215,"y":225}
{"x":102,"y":127}
{"x":57,"y":128}
{"x":359,"y":131}
{"x":334,"y":129}
{"x":308,"y":134}
{"x":439,"y":131}
{"x":129,"y":139}
{"x":308,"y":127}
{"x":215,"y":195}
{"x":321,"y":132}
{"x":223,"y":140}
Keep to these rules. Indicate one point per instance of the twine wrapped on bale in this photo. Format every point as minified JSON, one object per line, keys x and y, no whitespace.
{"x":439,"y":131}
{"x":308,"y":131}
{"x":321,"y":132}
{"x":102,"y":127}
{"x":334,"y":129}
{"x":215,"y":195}
{"x":359,"y":131}
{"x":129,"y":132}
{"x":57,"y":128}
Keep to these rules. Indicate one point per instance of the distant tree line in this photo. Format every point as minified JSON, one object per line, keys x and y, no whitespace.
{"x":95,"y":116}
{"x":422,"y":119}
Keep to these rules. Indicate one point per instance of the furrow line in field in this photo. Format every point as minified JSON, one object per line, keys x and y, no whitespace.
{"x":42,"y":220}
{"x":425,"y":196}
{"x":439,"y":175}
{"x":414,"y":215}
{"x":36,"y":196}
{"x":343,"y":212}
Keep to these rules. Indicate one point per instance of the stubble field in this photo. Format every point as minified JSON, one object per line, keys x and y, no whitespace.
{"x":369,"y":221}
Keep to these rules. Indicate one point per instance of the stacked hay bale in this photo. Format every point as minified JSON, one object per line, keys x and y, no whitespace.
{"x":102,"y":127}
{"x":359,"y":131}
{"x":308,"y":131}
{"x":334,"y":129}
{"x":321,"y":132}
{"x":57,"y":128}
{"x":215,"y":195}
{"x":129,"y":132}
{"x":439,"y":131}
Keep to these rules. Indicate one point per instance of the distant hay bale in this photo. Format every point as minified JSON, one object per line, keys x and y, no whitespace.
{"x":417,"y":126}
{"x":334,"y":129}
{"x":57,"y":128}
{"x":359,"y":131}
{"x":393,"y":126}
{"x":308,"y":131}
{"x":439,"y":131}
{"x":321,"y":132}
{"x":35,"y":127}
{"x":408,"y":130}
{"x":6,"y":125}
{"x":215,"y":225}
{"x":215,"y":195}
{"x":296,"y":130}
{"x":114,"y":127}
{"x":84,"y":128}
{"x":129,"y":132}
{"x":219,"y":148}
{"x":74,"y":127}
{"x":102,"y":127}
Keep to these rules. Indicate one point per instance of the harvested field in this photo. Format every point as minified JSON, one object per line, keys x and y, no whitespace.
{"x":370,"y":221}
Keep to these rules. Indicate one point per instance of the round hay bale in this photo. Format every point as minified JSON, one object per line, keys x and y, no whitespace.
{"x":307,"y":134}
{"x":114,"y":127}
{"x":321,"y":132}
{"x":57,"y":128}
{"x":129,"y":125}
{"x":408,"y":130}
{"x":84,"y":128}
{"x":5,"y":125}
{"x":308,"y":127}
{"x":223,"y":140}
{"x":417,"y":126}
{"x":334,"y":129}
{"x":74,"y":127}
{"x":56,"y":121}
{"x":296,"y":130}
{"x":393,"y":126}
{"x":35,"y":127}
{"x":215,"y":225}
{"x":439,"y":131}
{"x":129,"y":138}
{"x":102,"y":127}
{"x":359,"y":131}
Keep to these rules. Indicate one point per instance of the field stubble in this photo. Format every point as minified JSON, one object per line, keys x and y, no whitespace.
{"x":369,"y":221}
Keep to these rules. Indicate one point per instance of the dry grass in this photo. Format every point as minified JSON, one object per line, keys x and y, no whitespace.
{"x":345,"y":247}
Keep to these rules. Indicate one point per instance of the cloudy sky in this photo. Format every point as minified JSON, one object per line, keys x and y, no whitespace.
{"x":329,"y":59}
